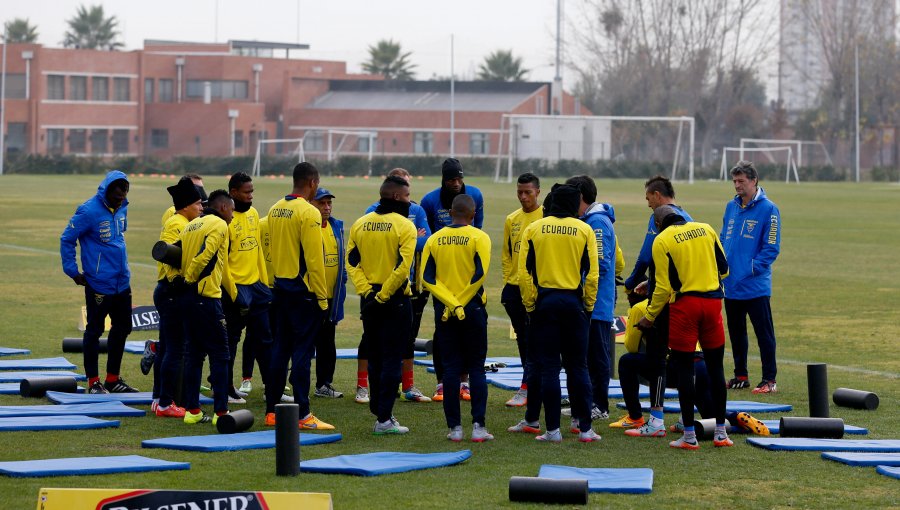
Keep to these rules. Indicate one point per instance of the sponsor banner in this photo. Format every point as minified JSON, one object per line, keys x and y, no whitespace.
{"x":148,"y":499}
{"x":142,"y":318}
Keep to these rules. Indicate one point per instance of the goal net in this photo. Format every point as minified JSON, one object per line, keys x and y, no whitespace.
{"x":326,"y":144}
{"x":811,"y":152}
{"x":790,"y":166}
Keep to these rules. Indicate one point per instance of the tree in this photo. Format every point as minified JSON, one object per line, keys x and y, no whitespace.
{"x":387,"y":59}
{"x":501,"y":65}
{"x":21,"y":31}
{"x":90,"y":29}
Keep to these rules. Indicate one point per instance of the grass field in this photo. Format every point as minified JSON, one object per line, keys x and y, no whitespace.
{"x":836,"y":300}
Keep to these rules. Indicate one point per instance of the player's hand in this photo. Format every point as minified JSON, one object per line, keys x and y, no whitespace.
{"x":641,"y":288}
{"x":420,"y":232}
{"x":459,"y":312}
{"x":79,"y":279}
{"x":644,"y":324}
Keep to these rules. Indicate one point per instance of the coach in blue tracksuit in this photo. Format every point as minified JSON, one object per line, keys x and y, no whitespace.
{"x":99,"y":227}
{"x":751,"y":237}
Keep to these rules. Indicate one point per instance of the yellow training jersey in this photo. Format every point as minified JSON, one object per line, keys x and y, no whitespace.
{"x":295,"y":232}
{"x":688,"y":259}
{"x":455,"y":262}
{"x":380,"y":252}
{"x":245,"y":258}
{"x":632,"y":334}
{"x":558,"y":253}
{"x":265,"y":244}
{"x":168,"y":214}
{"x":204,"y":256}
{"x":170,"y":233}
{"x":330,"y":246}
{"x":620,"y":259}
{"x":512,"y":234}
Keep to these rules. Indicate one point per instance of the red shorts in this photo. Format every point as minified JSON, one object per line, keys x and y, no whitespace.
{"x":695,"y":319}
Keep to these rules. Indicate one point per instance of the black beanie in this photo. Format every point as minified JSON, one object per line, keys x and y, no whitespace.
{"x":566,"y":199}
{"x":451,"y":169}
{"x":183,"y":194}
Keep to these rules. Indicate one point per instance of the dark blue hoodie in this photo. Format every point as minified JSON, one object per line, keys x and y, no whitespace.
{"x":600,"y":218}
{"x":101,"y":233}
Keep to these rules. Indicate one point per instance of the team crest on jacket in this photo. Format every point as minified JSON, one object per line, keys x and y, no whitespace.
{"x":98,"y":298}
{"x":751,"y":224}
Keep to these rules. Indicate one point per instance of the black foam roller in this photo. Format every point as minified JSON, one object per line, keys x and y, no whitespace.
{"x":827,"y":428}
{"x":857,"y":399}
{"x":546,"y":490}
{"x":39,"y":386}
{"x":167,"y":254}
{"x":287,"y":440}
{"x":817,"y":384}
{"x":426,"y":346}
{"x":235,"y":421}
{"x":77,"y":345}
{"x":705,"y":429}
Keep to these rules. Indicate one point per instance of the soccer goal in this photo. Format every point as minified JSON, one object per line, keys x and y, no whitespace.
{"x":797,"y":144}
{"x":330,"y":143}
{"x":790,"y":164}
{"x":295,"y":143}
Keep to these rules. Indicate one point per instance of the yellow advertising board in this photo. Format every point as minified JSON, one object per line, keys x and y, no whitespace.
{"x":150,"y":499}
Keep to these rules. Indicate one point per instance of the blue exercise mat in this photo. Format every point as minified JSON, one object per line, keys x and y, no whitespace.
{"x":826,"y":445}
{"x":232,"y":442}
{"x":775,"y":428}
{"x":15,"y":377}
{"x":382,"y":463}
{"x":12,"y":351}
{"x":36,"y":364}
{"x":864,"y":459}
{"x":88,"y":466}
{"x":13,"y":388}
{"x":98,"y":409}
{"x":509,"y":361}
{"x":893,"y":472}
{"x":63,"y":422}
{"x":144,"y":397}
{"x":618,"y":480}
{"x":352,"y":353}
{"x":736,"y":406}
{"x":135,"y":346}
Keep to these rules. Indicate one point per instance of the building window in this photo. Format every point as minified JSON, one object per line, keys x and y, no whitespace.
{"x":314,"y":141}
{"x":100,"y":88}
{"x":219,"y":89}
{"x":56,"y":88}
{"x":15,"y":138}
{"x":362,"y":144}
{"x":423,"y":143}
{"x":122,"y":87}
{"x":15,"y":86}
{"x":78,"y":140}
{"x":159,"y":138}
{"x":165,"y":91}
{"x":99,"y":141}
{"x":55,"y":141}
{"x":148,"y":90}
{"x":120,"y":141}
{"x":479,"y":143}
{"x":78,"y":88}
{"x":238,"y":139}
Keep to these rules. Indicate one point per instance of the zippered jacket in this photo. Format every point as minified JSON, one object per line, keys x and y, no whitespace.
{"x":751,"y":237}
{"x":646,"y":255}
{"x":597,"y":216}
{"x":336,"y":308}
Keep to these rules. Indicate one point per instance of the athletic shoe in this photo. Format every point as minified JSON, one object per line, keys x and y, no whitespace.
{"x":551,"y":436}
{"x":519,"y":399}
{"x":722,"y":440}
{"x":313,"y":423}
{"x":287,"y":399}
{"x":647,"y":430}
{"x":565,"y":411}
{"x":270,"y":420}
{"x":154,"y":405}
{"x":464,"y":393}
{"x":597,"y":414}
{"x":626,"y":422}
{"x":438,"y":394}
{"x":362,"y":395}
{"x":215,"y":418}
{"x":328,"y":391}
{"x":191,"y":418}
{"x":575,"y":426}
{"x":246,"y":386}
{"x":97,"y":389}
{"x":171,"y":411}
{"x":414,"y":395}
{"x":389,"y":427}
{"x":677,"y":427}
{"x":765,"y":387}
{"x":287,"y":389}
{"x":738,"y":383}
{"x":524,"y":426}
{"x":239,"y":393}
{"x":235,"y":397}
{"x":480,"y":433}
{"x":589,"y":437}
{"x":456,"y":434}
{"x":120,"y":386}
{"x":148,"y":357}
{"x":204,"y":388}
{"x":685,"y":444}
{"x":751,"y":424}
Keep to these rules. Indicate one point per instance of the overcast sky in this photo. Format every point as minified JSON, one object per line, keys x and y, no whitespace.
{"x":335,"y":29}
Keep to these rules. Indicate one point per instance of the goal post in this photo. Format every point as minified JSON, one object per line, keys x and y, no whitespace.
{"x":331,"y":142}
{"x":297,"y":143}
{"x":790,"y":164}
{"x":797,"y":144}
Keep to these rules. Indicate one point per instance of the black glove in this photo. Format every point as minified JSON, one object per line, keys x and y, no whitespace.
{"x":369,"y":307}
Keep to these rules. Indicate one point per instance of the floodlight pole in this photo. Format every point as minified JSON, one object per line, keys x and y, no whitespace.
{"x":856,"y":61}
{"x":452,"y":104}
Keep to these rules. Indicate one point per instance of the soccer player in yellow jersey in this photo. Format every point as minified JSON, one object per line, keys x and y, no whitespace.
{"x":528,"y":190}
{"x":198,"y":183}
{"x":301,"y":299}
{"x":204,"y":268}
{"x":170,"y":348}
{"x":379,"y":254}
{"x":455,"y":262}
{"x":558,"y":277}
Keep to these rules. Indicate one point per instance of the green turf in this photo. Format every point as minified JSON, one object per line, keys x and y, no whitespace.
{"x":836,"y":300}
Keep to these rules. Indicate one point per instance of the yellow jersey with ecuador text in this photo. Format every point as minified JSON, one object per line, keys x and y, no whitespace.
{"x":380,"y":252}
{"x":330,"y":246}
{"x":245,"y":258}
{"x":295,"y":233}
{"x":170,"y":233}
{"x":168,"y":214}
{"x":512,"y":235}
{"x":265,"y":245}
{"x":455,"y":261}
{"x":688,"y":259}
{"x":558,"y":254}
{"x":633,"y":335}
{"x":204,"y":256}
